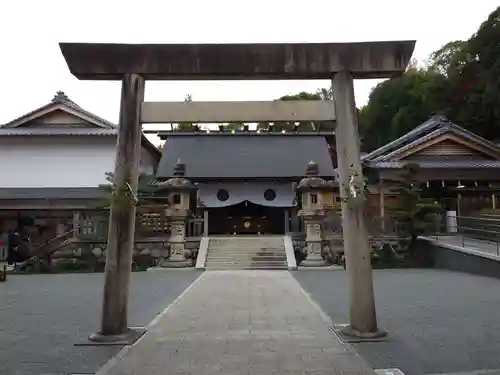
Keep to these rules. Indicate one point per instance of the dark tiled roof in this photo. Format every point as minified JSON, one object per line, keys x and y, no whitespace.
{"x":56,"y":131}
{"x":420,"y":158}
{"x":426,"y":127}
{"x":52,"y":193}
{"x":438,"y":164}
{"x":105,"y":127}
{"x":242,"y":156}
{"x":62,"y":98}
{"x":432,"y":128}
{"x":446,"y":128}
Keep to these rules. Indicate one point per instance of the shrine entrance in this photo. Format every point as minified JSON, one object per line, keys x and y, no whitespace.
{"x":246,"y":218}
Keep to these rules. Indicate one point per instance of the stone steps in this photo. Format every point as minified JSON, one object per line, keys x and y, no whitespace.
{"x":237,"y":252}
{"x":246,"y":265}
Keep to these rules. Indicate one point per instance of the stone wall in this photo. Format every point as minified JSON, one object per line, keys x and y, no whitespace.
{"x":91,"y":255}
{"x":454,"y":258}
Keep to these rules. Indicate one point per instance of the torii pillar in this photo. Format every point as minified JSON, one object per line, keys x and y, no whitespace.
{"x":363,"y":316}
{"x":134,"y":63}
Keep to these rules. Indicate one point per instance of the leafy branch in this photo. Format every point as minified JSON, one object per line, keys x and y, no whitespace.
{"x":123,"y":195}
{"x":356,"y":189}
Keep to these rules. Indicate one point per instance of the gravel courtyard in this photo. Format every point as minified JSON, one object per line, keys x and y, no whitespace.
{"x":438,"y":321}
{"x":43,"y":316}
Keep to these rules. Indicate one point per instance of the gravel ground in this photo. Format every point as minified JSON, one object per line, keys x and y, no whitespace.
{"x":438,"y":321}
{"x":43,"y":316}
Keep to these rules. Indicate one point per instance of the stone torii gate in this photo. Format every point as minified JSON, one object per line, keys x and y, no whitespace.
{"x":132,"y":64}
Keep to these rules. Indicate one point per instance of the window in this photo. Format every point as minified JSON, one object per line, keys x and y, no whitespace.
{"x":177,"y":199}
{"x":314,"y":198}
{"x":222,"y":195}
{"x":269,"y":195}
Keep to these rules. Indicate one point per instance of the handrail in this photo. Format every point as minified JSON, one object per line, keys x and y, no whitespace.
{"x":71,"y":231}
{"x":479,"y":218}
{"x":479,"y":230}
{"x":37,"y":250}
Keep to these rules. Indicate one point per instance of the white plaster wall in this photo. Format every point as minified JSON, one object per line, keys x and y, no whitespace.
{"x":55,"y":161}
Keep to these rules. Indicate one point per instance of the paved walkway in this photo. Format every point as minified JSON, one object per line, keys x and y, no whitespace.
{"x":241,"y":322}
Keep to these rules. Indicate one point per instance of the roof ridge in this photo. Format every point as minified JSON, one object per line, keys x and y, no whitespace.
{"x":475,"y":136}
{"x":447,"y":127}
{"x":433,"y":121}
{"x":60,"y":98}
{"x":413,"y":143}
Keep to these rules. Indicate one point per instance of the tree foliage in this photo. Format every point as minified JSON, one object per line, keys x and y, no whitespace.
{"x":125,"y":196}
{"x":397,"y":105}
{"x":475,"y":80}
{"x":448,"y":58}
{"x":320,"y":94}
{"x":418,"y":214}
{"x":461,"y":80}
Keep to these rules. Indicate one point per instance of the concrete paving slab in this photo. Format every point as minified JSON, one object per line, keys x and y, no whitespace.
{"x":241,"y":322}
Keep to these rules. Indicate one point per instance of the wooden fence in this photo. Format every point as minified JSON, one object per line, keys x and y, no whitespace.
{"x":153,"y":224}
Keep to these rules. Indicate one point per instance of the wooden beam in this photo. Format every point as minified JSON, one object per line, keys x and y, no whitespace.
{"x":220,"y":112}
{"x":122,"y":214}
{"x":237,"y":61}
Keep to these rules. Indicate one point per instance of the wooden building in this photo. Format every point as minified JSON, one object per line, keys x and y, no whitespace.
{"x":457,"y":167}
{"x":52,"y":160}
{"x":246,"y":180}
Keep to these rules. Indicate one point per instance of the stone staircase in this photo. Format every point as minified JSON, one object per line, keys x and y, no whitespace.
{"x":246,"y":252}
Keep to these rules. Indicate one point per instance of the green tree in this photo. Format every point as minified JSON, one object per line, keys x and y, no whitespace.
{"x":461,"y":81}
{"x":398,"y":105}
{"x":185,"y":127}
{"x":144,"y":197}
{"x":417,"y":214}
{"x":320,"y":94}
{"x":144,"y":200}
{"x":449,"y":58}
{"x":475,"y":79}
{"x":236,"y":126}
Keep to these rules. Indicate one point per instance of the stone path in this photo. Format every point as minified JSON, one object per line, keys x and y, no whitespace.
{"x":241,"y":322}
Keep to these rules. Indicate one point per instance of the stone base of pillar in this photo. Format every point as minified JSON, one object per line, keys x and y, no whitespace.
{"x":352,"y":335}
{"x":130,"y":336}
{"x":176,"y":263}
{"x":313,"y":260}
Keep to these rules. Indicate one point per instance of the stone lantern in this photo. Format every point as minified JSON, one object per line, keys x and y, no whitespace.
{"x":179,"y":191}
{"x":311,"y":189}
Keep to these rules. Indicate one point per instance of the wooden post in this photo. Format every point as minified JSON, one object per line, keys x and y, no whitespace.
{"x":122,"y":215}
{"x":381,"y":188}
{"x":363,"y":317}
{"x":381,"y":198}
{"x":287,"y":221}
{"x":205,"y":223}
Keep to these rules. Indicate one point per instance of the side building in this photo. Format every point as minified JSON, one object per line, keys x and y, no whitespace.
{"x":458,"y":168}
{"x":53,"y":160}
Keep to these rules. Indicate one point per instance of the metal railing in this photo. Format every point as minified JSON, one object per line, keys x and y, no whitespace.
{"x":478,"y":233}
